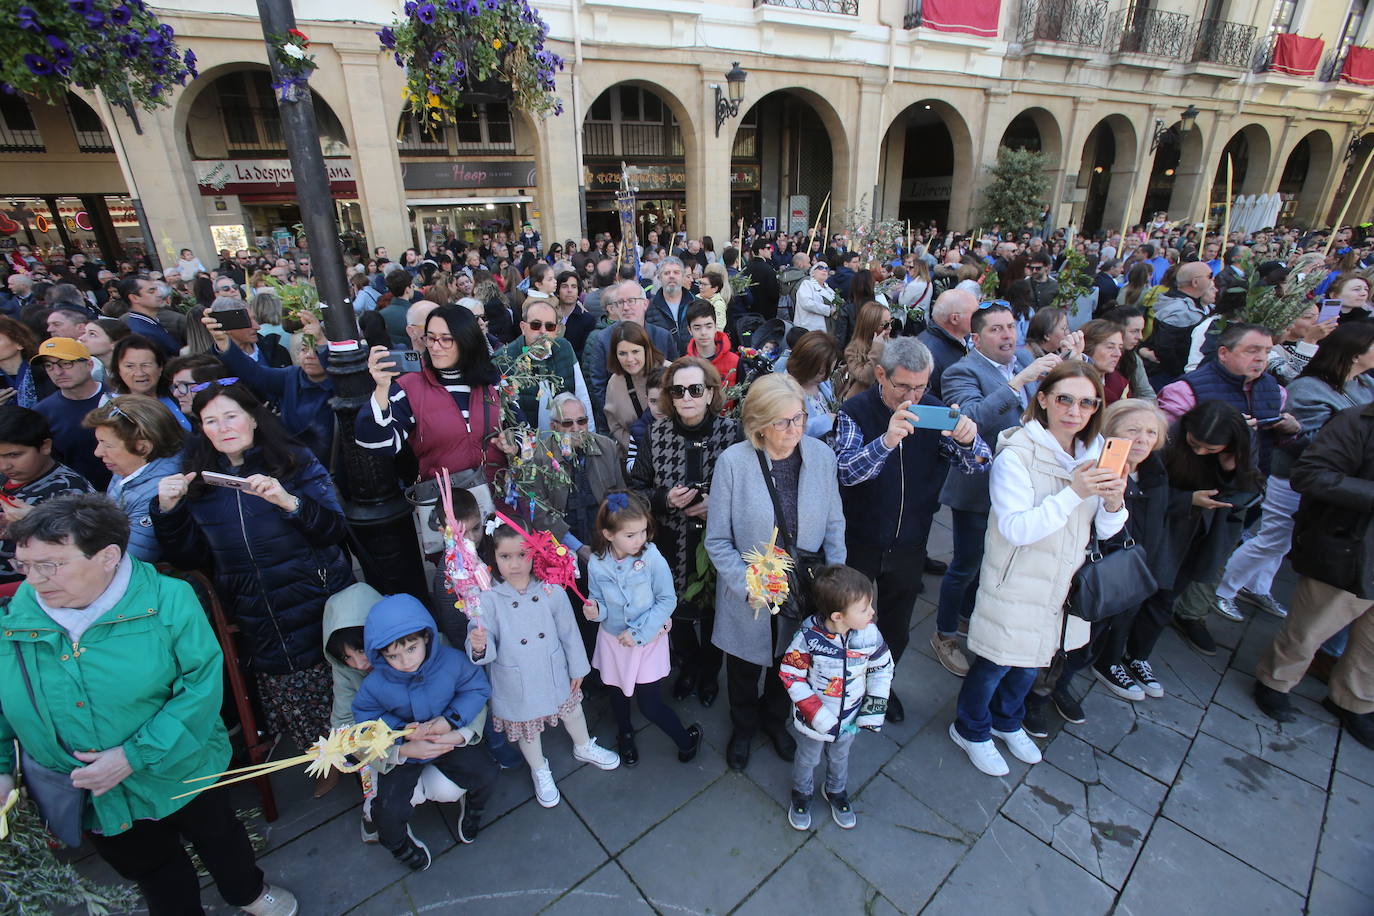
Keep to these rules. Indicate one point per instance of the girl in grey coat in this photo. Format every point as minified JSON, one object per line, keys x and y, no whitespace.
{"x":741,"y":517}
{"x":527,"y":638}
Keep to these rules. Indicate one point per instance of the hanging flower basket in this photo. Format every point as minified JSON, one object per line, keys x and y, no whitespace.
{"x":465,"y":52}
{"x":115,"y":46}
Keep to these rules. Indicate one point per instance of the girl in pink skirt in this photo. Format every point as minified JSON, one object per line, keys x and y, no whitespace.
{"x":632,"y":598}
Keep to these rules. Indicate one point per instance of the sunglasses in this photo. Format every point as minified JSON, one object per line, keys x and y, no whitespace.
{"x":893,"y":325}
{"x":678,"y":392}
{"x":1067,"y":400}
{"x":569,"y":424}
{"x":550,"y":326}
{"x":222,"y":382}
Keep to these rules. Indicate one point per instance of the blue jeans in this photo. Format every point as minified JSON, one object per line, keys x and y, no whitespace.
{"x":960,"y":584}
{"x":993,"y":696}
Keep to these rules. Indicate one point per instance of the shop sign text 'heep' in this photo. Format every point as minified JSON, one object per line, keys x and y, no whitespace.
{"x":221,"y":176}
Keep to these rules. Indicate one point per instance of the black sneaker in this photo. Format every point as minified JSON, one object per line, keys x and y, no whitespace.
{"x":1195,"y":633}
{"x":1037,"y":723}
{"x":896,"y":712}
{"x":412,"y":853}
{"x":1274,"y":703}
{"x":469,"y":823}
{"x":1359,"y":725}
{"x":1118,"y":680}
{"x":799,"y":812}
{"x":1068,"y":707}
{"x":840,"y":811}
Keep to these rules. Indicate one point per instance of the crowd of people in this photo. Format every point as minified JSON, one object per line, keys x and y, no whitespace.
{"x":681,"y":409}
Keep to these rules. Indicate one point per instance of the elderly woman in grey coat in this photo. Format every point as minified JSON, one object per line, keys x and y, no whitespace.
{"x":742,"y":517}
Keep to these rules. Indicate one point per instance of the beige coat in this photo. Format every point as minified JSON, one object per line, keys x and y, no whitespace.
{"x":1021,"y":591}
{"x":620,"y":411}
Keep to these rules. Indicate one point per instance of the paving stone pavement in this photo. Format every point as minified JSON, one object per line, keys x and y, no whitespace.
{"x":1194,"y":803}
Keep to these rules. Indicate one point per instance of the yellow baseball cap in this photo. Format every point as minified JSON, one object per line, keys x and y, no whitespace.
{"x":61,"y":348}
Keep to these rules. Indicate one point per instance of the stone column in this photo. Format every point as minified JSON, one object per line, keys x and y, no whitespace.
{"x":374,"y":114}
{"x":708,"y":171}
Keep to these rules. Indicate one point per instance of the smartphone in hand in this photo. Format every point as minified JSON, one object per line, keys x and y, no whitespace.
{"x":930,"y":416}
{"x":215,"y":479}
{"x":404,"y":360}
{"x":232,"y":319}
{"x":1115,"y":451}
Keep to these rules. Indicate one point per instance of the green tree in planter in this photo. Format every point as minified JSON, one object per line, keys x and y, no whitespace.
{"x":117,"y":47}
{"x":1017,"y":190}
{"x":1074,"y":278}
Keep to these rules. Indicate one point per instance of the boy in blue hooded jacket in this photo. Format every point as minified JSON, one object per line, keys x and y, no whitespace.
{"x":417,"y":682}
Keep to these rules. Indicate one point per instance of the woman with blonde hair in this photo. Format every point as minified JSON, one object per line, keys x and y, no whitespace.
{"x":139,"y":440}
{"x":779,"y":483}
{"x":871,"y":331}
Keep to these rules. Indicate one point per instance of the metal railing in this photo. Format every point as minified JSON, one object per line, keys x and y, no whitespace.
{"x":1156,"y":33}
{"x":94,"y":141}
{"x":746,"y":142}
{"x":915,"y":14}
{"x":842,"y":7}
{"x":1329,"y":71}
{"x":1078,"y":22}
{"x":20,"y":141}
{"x":1221,"y":41}
{"x":661,"y":140}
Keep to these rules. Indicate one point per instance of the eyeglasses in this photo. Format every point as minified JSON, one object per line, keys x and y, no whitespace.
{"x":550,"y":326}
{"x":907,"y":391}
{"x":575,"y":421}
{"x":183,"y":387}
{"x":443,"y":341}
{"x":798,"y":420}
{"x":1067,"y":400}
{"x":222,"y":382}
{"x":678,"y":392}
{"x":40,"y":570}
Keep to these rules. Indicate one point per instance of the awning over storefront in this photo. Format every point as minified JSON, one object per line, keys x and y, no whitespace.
{"x":467,"y":201}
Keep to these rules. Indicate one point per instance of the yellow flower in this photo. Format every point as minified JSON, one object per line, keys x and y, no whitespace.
{"x":496,"y":44}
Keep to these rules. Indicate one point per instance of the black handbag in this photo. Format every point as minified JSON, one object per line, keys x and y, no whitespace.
{"x":798,"y":605}
{"x":1110,"y":581}
{"x":61,"y":805}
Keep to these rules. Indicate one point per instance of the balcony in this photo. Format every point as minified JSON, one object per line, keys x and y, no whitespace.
{"x":1223,"y":42}
{"x":1158,"y":34}
{"x":1330,"y":69}
{"x":1075,"y":22}
{"x":20,"y":141}
{"x":841,"y":7}
{"x":632,"y":140}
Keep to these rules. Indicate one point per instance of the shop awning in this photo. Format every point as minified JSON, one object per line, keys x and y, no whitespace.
{"x":468,"y":201}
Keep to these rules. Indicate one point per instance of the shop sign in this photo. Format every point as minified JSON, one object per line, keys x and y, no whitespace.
{"x":938,"y":187}
{"x":39,"y":218}
{"x":646,"y":178}
{"x":744,"y":178}
{"x":451,"y":174}
{"x":254,"y":176}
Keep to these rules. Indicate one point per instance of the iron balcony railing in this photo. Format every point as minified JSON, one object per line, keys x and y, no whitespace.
{"x":1221,"y":41}
{"x":20,"y":141}
{"x":1155,"y":33}
{"x":843,"y":7}
{"x":914,"y":14}
{"x":1332,"y":61}
{"x":1078,"y":22}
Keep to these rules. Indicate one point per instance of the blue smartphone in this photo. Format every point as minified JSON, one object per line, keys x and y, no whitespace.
{"x":929,"y":416}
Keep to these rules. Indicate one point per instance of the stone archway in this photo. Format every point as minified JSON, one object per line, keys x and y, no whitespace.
{"x":926,"y":166}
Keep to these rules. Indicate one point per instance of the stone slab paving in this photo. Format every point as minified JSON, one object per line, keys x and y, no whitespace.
{"x":1196,"y":803}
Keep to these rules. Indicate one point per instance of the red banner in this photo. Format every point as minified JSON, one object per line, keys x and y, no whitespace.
{"x":1296,"y":55}
{"x":973,"y":17}
{"x":1359,"y":66}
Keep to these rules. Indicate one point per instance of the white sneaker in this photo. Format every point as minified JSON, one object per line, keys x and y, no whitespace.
{"x":981,"y":754}
{"x":545,"y":791}
{"x":273,"y":901}
{"x":1020,"y":745}
{"x":601,"y":757}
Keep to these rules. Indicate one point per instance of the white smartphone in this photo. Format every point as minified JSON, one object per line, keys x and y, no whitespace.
{"x":1331,"y":308}
{"x":216,"y":479}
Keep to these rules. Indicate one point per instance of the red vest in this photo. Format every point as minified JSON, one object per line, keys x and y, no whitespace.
{"x":442,"y":439}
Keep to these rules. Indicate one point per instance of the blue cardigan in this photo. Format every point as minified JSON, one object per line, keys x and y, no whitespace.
{"x":135,"y":494}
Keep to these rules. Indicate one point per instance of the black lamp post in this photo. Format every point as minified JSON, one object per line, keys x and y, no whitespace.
{"x":1187,"y":120}
{"x":727,"y":106}
{"x":373,"y":503}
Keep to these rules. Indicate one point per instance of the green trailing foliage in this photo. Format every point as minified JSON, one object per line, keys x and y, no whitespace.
{"x":1017,"y":190}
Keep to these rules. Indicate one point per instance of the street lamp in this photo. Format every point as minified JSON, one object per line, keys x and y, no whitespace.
{"x":727,"y":106}
{"x":1187,"y":120}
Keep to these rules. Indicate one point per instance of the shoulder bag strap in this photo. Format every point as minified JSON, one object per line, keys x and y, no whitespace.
{"x":777,"y":503}
{"x":24,"y":672}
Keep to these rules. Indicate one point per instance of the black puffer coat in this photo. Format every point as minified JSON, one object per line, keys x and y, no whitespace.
{"x":273,"y":571}
{"x":1331,"y":530}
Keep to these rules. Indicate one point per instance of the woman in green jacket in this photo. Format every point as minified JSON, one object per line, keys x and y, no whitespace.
{"x":112,"y":674}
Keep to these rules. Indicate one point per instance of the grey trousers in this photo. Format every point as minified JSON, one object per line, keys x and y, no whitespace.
{"x":809,"y":752}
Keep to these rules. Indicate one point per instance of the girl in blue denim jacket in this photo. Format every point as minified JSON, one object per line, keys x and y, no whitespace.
{"x":632,"y":598}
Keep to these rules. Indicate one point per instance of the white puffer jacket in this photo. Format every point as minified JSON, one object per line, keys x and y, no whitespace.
{"x":836,"y":681}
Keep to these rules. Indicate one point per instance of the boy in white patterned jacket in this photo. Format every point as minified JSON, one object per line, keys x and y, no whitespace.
{"x":838,"y":673}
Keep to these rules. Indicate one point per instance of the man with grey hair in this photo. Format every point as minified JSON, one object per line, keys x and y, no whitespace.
{"x":593,"y":464}
{"x":627,"y":300}
{"x":891,"y":463}
{"x":668,"y":310}
{"x":416,"y":315}
{"x":19,"y":294}
{"x":947,"y":333}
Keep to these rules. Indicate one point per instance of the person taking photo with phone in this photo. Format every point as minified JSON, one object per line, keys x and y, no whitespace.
{"x":255,"y":509}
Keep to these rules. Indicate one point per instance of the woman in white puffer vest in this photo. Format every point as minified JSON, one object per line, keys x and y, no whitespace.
{"x":1047,"y":493}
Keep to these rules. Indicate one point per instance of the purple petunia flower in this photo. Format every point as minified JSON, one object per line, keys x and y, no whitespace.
{"x":426,"y":13}
{"x":387,"y":36}
{"x":28,"y":19}
{"x":460,"y":69}
{"x":399,"y":61}
{"x":80,"y":7}
{"x":38,"y":66}
{"x":121,"y":15}
{"x":190,"y":58}
{"x":95,"y":19}
{"x":410,"y":7}
{"x":455,"y":5}
{"x":437,"y":57}
{"x":472,"y":8}
{"x":434,"y":88}
{"x":492,"y":4}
